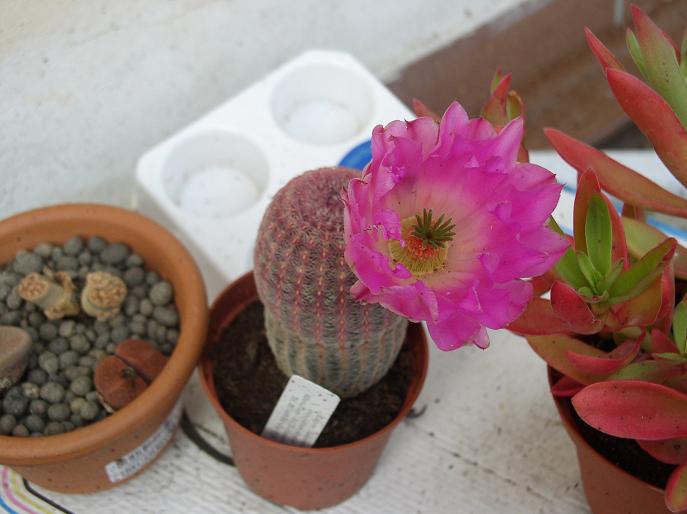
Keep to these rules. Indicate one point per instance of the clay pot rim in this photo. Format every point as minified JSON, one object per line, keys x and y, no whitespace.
{"x":205,"y":367}
{"x":36,"y":450}
{"x":564,"y":412}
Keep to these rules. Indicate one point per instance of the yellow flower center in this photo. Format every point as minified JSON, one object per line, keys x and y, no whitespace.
{"x":425,"y":246}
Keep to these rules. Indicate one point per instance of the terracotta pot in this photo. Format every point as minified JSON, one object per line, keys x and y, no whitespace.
{"x":305,"y":478}
{"x":609,"y":489}
{"x":76,"y":462}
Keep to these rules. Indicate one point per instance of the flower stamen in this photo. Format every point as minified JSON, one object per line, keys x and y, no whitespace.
{"x":425,"y":243}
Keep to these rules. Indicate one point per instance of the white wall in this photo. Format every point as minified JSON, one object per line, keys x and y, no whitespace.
{"x":87,"y":86}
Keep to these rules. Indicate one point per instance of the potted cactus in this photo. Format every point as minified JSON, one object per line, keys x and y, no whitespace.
{"x":610,"y":332}
{"x":436,"y":230}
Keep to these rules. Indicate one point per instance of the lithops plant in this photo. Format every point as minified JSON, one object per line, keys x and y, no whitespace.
{"x":315,"y":327}
{"x":15,"y":351}
{"x":103,"y":295}
{"x":52,"y":292}
{"x":122,"y":377}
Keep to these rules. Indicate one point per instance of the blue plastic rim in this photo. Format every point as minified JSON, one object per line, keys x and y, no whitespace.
{"x":358,"y":157}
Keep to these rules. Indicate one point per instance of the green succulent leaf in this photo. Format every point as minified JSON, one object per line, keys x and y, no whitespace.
{"x":661,"y":68}
{"x":680,"y":327}
{"x":683,"y":54}
{"x":567,"y":267}
{"x":590,"y":273}
{"x":673,"y":357}
{"x":635,"y":52}
{"x":599,"y":234}
{"x":612,"y":275}
{"x":633,"y":281}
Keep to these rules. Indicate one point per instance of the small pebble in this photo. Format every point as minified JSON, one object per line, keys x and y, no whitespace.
{"x":79,"y":343}
{"x":37,"y":376}
{"x":38,"y":347}
{"x":91,"y":335}
{"x":43,"y":250}
{"x":27,"y":262}
{"x":139,"y":292}
{"x":34,"y":423}
{"x":14,"y":402}
{"x":69,"y":396}
{"x":120,"y":333}
{"x":111,"y":347}
{"x":86,"y":361}
{"x":102,"y":341}
{"x":98,"y":355}
{"x":160,"y":334}
{"x":67,"y":328}
{"x":131,"y":306}
{"x":74,"y":372}
{"x":92,"y":396}
{"x":73,"y":246}
{"x":134,"y":276}
{"x":10,"y":278}
{"x":118,"y":321}
{"x":96,"y":244}
{"x":76,"y":420}
{"x":172,"y":336}
{"x":7,"y":424}
{"x":166,"y":316}
{"x":38,"y":407}
{"x":151,"y":328}
{"x":10,"y":318}
{"x":68,"y":263}
{"x":20,"y":431}
{"x":4,"y":290}
{"x":145,"y":307}
{"x":89,"y":411}
{"x":56,"y":254}
{"x":85,"y":258}
{"x":30,"y":390}
{"x":134,"y":260}
{"x":68,"y":426}
{"x":81,"y":386}
{"x":54,"y":428}
{"x":115,"y":253}
{"x":161,"y":293}
{"x":36,"y":319}
{"x":81,"y":328}
{"x":47,"y":331}
{"x":69,"y":359}
{"x":49,"y":362}
{"x":13,"y":299}
{"x":52,"y":392}
{"x":137,"y":327}
{"x":167,"y":348}
{"x":101,"y":327}
{"x":59,"y":412}
{"x":77,"y":404}
{"x":152,"y":278}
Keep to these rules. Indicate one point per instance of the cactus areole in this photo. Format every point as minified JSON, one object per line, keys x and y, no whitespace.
{"x":315,"y":327}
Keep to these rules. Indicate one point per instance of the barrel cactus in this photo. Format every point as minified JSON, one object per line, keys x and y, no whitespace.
{"x":314,"y":326}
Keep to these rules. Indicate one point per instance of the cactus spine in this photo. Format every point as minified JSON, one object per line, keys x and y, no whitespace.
{"x":314,"y":326}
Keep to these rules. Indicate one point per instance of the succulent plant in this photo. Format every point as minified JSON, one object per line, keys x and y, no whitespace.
{"x":51,"y":292}
{"x":617,"y":281}
{"x":315,"y":327}
{"x":102,"y":295}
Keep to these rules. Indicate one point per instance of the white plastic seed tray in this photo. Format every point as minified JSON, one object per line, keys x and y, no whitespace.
{"x":211,"y":182}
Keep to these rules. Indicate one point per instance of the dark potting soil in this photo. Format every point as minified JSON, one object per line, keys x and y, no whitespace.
{"x":249,"y":383}
{"x":625,"y":453}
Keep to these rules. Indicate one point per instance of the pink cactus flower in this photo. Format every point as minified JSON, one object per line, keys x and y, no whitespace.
{"x":444,"y":224}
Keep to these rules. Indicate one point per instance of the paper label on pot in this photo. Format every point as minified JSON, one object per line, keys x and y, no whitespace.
{"x":303,"y":410}
{"x":135,"y":460}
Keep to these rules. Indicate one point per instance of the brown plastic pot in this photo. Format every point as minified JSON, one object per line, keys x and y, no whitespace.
{"x":609,"y":489}
{"x":75,"y":462}
{"x":305,"y":478}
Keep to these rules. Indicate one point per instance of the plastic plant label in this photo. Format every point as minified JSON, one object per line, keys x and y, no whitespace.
{"x":131,"y":463}
{"x":302,"y":412}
